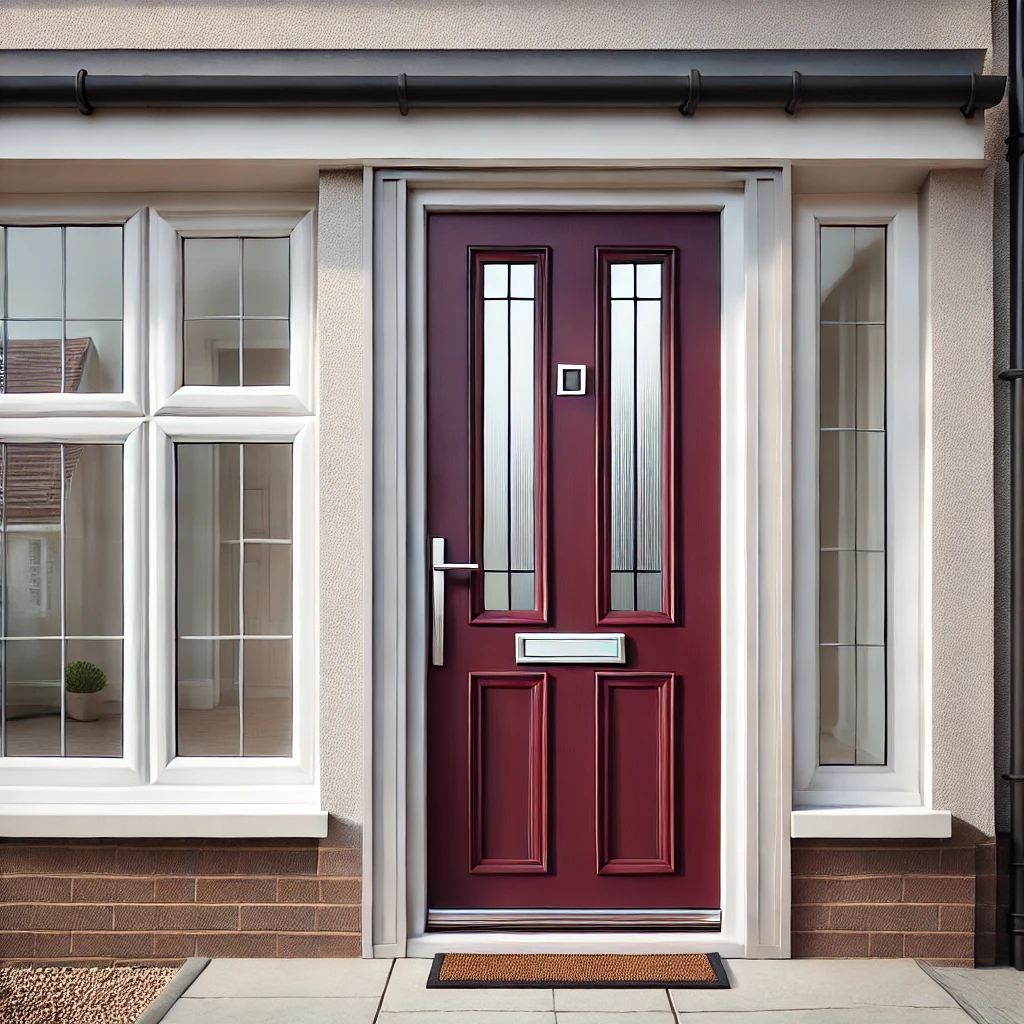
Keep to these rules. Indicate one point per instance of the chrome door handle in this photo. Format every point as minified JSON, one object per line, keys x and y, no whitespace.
{"x":438,"y":567}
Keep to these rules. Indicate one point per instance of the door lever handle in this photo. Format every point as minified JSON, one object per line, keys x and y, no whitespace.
{"x":439,"y":567}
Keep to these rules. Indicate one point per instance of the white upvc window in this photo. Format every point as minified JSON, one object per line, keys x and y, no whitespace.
{"x":157,"y":522}
{"x":859,"y":691}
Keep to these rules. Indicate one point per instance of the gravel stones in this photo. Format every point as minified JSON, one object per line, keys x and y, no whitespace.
{"x":79,"y":995}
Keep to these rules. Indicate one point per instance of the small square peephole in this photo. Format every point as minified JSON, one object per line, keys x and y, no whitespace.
{"x":572,"y":380}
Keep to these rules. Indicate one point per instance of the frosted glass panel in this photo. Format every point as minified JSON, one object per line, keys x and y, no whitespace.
{"x":508,"y":349}
{"x":636,"y":423}
{"x":852,"y":560}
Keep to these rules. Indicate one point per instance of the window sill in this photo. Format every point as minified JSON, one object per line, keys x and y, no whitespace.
{"x":870,"y":823}
{"x":146,"y":821}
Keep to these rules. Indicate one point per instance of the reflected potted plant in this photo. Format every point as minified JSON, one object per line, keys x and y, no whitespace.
{"x":83,"y":682}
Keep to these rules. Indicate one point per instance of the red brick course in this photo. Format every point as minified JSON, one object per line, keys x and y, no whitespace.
{"x":930,"y":899}
{"x":99,"y":902}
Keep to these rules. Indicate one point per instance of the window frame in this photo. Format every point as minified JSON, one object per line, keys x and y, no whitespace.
{"x":149,"y":791}
{"x":900,"y":781}
{"x":130,"y":401}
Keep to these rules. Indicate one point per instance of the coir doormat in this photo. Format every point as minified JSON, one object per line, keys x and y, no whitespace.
{"x":570,"y":970}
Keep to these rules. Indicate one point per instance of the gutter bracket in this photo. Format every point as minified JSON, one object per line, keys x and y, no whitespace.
{"x":403,"y":94}
{"x":84,"y":106}
{"x":971,"y":105}
{"x":793,"y":106}
{"x":689,"y":108}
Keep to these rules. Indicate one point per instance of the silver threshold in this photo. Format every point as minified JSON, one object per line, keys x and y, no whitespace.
{"x":574,"y":920}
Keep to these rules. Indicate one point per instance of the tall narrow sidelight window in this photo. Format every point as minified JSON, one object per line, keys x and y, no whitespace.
{"x":637,"y":433}
{"x":852,"y":591}
{"x":509,"y":362}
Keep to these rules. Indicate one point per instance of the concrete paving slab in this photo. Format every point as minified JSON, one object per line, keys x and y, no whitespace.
{"x":815,"y":984}
{"x":272,"y":1010}
{"x":842,"y":1015}
{"x":407,"y":990}
{"x":254,"y":979}
{"x":628,"y":1017}
{"x":467,"y":1017}
{"x":991,"y":995}
{"x":608,"y":1000}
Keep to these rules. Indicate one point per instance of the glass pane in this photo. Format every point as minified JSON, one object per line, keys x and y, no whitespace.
{"x":207,"y":539}
{"x":870,"y":491}
{"x":837,"y":483}
{"x":32,"y":362}
{"x":871,"y":701}
{"x":207,"y":698}
{"x":869,"y":249}
{"x":870,"y":378}
{"x":93,"y":541}
{"x":268,"y":491}
{"x":93,"y":350}
{"x":265,"y":355}
{"x":212,"y":274}
{"x":521,"y":280}
{"x":838,"y":285}
{"x":838,"y":597}
{"x":496,"y":591}
{"x":30,"y":496}
{"x":33,"y":671}
{"x":95,"y":273}
{"x":636,"y":412}
{"x":523,"y":597}
{"x":623,"y":435}
{"x":265,"y":276}
{"x":837,"y":711}
{"x":648,"y":280}
{"x":838,"y":371}
{"x":267,"y":698}
{"x":93,"y":719}
{"x":496,"y":437}
{"x":870,"y":597}
{"x":495,"y":280}
{"x":211,"y":352}
{"x":522,"y":434}
{"x":267,"y":589}
{"x":34,"y":273}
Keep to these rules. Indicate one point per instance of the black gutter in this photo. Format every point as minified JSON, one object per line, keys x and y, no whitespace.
{"x":1015,"y":156}
{"x":685,"y":93}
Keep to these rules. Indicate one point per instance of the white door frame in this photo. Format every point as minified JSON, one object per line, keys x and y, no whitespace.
{"x":756,"y":543}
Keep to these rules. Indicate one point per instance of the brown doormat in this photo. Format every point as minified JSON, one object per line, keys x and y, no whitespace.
{"x":571,"y":970}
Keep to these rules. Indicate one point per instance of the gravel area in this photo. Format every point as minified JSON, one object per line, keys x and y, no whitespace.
{"x":79,"y":995}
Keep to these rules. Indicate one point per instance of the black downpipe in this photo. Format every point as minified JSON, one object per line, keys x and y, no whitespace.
{"x":1015,"y":156}
{"x":685,"y":93}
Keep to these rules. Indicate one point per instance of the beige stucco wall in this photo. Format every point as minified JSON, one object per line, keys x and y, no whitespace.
{"x":344,"y":496}
{"x":957,"y":206}
{"x":492,"y":24}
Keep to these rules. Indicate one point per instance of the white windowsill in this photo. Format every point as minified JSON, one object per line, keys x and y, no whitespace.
{"x":871,"y":823}
{"x":146,"y":821}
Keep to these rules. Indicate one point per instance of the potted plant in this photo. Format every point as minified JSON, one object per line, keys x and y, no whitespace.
{"x":83,"y":682}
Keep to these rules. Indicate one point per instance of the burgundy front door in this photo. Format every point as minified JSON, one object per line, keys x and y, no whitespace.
{"x":573,"y":365}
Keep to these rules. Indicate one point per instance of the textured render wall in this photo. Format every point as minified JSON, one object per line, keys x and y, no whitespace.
{"x":490,"y":24}
{"x":345,"y":498}
{"x":958,"y":208}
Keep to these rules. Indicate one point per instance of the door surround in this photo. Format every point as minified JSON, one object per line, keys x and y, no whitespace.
{"x":756,"y":542}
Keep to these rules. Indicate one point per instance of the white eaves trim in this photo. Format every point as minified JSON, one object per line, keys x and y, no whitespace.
{"x":871,"y":823}
{"x":149,"y":821}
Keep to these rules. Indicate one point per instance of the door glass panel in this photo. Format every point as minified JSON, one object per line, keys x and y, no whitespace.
{"x":852,"y":604}
{"x":508,"y":349}
{"x":636,"y":390}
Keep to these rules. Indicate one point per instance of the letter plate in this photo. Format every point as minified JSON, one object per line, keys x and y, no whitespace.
{"x":570,"y":648}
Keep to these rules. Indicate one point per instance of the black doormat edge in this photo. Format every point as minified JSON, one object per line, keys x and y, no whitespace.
{"x":721,"y":978}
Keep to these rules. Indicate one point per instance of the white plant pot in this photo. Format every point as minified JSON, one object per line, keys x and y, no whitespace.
{"x":83,"y":707}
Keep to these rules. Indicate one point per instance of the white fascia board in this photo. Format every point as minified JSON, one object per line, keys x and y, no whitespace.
{"x":871,"y":823}
{"x":135,"y":821}
{"x":631,"y":138}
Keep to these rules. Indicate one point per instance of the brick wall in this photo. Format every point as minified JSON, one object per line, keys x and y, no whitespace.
{"x":934,"y":900}
{"x":103,"y":902}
